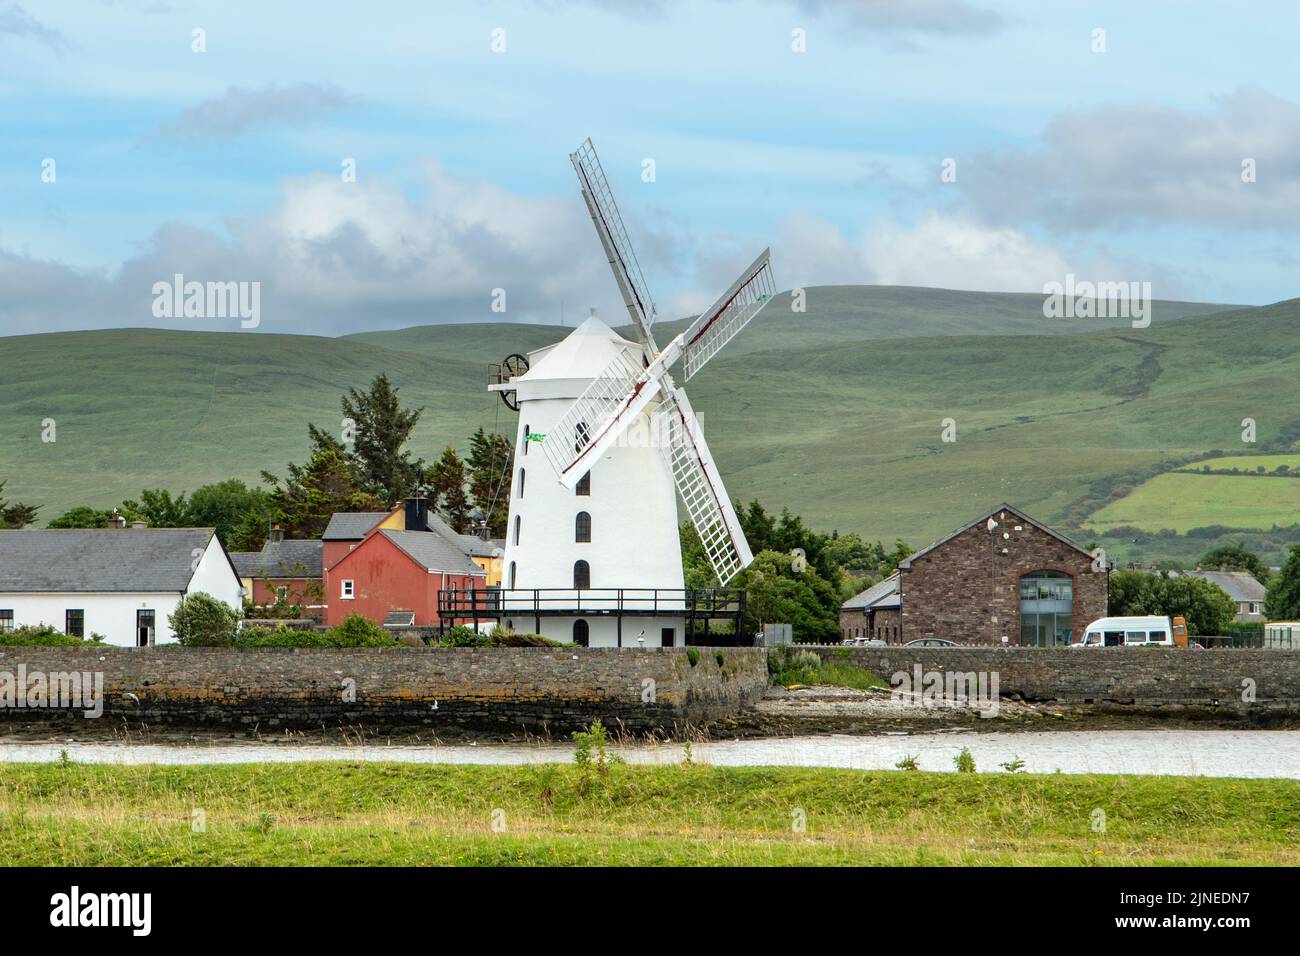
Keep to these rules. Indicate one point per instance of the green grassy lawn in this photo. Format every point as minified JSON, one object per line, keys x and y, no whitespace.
{"x":399,"y":814}
{"x":1182,"y":501}
{"x":836,"y":412}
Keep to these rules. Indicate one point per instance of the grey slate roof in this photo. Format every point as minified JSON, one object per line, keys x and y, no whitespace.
{"x":881,"y":594}
{"x":246,"y":562}
{"x":433,"y":552}
{"x":352,"y":525}
{"x":146,"y":560}
{"x":471,"y":544}
{"x":1240,"y":585}
{"x":907,"y":564}
{"x":293,"y":558}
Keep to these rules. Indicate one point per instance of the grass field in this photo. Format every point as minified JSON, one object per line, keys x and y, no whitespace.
{"x":1183,"y":501}
{"x":404,"y":814}
{"x":836,"y":413}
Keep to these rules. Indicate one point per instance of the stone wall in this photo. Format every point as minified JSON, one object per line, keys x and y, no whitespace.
{"x":1124,"y":675}
{"x":508,"y":690}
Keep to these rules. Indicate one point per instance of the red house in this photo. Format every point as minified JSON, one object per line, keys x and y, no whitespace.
{"x":398,"y":570}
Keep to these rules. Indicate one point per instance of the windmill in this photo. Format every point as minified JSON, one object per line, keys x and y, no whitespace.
{"x":595,"y":557}
{"x":604,"y":412}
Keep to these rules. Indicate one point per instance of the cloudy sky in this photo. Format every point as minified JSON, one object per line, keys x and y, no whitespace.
{"x":126,"y":156}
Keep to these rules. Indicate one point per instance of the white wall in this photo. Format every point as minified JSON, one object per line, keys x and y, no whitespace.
{"x":603,"y":631}
{"x":215,"y":576}
{"x":110,"y":615}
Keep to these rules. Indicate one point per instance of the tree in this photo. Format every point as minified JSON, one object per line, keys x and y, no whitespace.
{"x":490,"y":462}
{"x":446,"y":482}
{"x":1235,"y":557}
{"x":159,"y":509}
{"x":1282,"y":601}
{"x":778,"y":593}
{"x":304,"y":502}
{"x":1205,"y":606}
{"x":16,"y":515}
{"x":225,"y":505}
{"x":200,"y":620}
{"x":82,"y":517}
{"x":383,"y":427}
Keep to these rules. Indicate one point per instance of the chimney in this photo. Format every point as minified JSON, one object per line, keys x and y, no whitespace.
{"x":139,"y":525}
{"x":116,"y":521}
{"x":277,"y":534}
{"x":417,"y":513}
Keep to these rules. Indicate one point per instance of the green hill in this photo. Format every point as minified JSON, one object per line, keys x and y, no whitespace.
{"x":836,"y":412}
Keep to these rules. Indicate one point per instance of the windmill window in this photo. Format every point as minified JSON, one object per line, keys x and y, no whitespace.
{"x":582,"y":528}
{"x":584,"y":486}
{"x":581,"y":633}
{"x":512,"y":574}
{"x":74,"y":623}
{"x":581,"y":436}
{"x":581,"y":574}
{"x":521,"y":482}
{"x":518,"y":521}
{"x":527,"y":432}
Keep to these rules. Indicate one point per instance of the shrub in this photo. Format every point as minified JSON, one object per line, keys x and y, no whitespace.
{"x":357,"y":631}
{"x":282,"y":637}
{"x":907,"y":763}
{"x":964,"y":762}
{"x":510,"y":639}
{"x":43,"y":635}
{"x":462,"y":636}
{"x":200,"y":620}
{"x":693,"y":655}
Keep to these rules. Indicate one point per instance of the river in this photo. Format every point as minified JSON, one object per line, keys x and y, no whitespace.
{"x":1211,"y":753}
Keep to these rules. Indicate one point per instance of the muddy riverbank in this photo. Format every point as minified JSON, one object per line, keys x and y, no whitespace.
{"x":804,"y":712}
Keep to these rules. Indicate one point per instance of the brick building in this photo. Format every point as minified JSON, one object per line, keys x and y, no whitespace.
{"x":1004,"y":578}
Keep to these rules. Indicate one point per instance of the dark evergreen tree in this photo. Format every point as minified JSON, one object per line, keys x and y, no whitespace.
{"x":489,"y":467}
{"x":383,"y":465}
{"x":446,"y":483}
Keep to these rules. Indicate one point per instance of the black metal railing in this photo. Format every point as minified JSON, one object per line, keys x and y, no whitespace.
{"x":698,"y":606}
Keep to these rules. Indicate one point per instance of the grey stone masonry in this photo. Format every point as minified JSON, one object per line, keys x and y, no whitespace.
{"x":540,"y":690}
{"x":1137,"y":675}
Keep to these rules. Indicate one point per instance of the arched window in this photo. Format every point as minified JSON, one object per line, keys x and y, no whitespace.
{"x":582,"y":528}
{"x":581,"y":633}
{"x":521,"y":482}
{"x":518,"y":522}
{"x":512,"y":574}
{"x":584,"y":486}
{"x":581,"y":435}
{"x":527,"y":432}
{"x":581,"y":574}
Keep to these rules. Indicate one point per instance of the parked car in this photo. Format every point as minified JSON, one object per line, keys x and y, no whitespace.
{"x":870,"y":642}
{"x":930,"y":642}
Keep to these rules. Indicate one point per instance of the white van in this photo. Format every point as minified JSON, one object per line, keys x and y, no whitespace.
{"x":1128,"y":632}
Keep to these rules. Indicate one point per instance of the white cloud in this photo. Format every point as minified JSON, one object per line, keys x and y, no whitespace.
{"x":339,"y":257}
{"x":239,"y":110}
{"x":1118,"y":166}
{"x":939,"y":251}
{"x":17,"y":22}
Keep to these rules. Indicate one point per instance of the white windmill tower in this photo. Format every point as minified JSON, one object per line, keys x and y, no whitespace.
{"x":595,"y":557}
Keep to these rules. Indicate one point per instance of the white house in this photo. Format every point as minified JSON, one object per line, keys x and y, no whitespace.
{"x":121,"y":584}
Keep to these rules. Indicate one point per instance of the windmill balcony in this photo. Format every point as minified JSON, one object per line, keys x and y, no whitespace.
{"x":695,"y":605}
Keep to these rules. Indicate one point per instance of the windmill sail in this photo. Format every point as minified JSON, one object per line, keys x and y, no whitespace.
{"x":613,"y":237}
{"x":733,"y":310}
{"x":701,"y":489}
{"x":599,"y":417}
